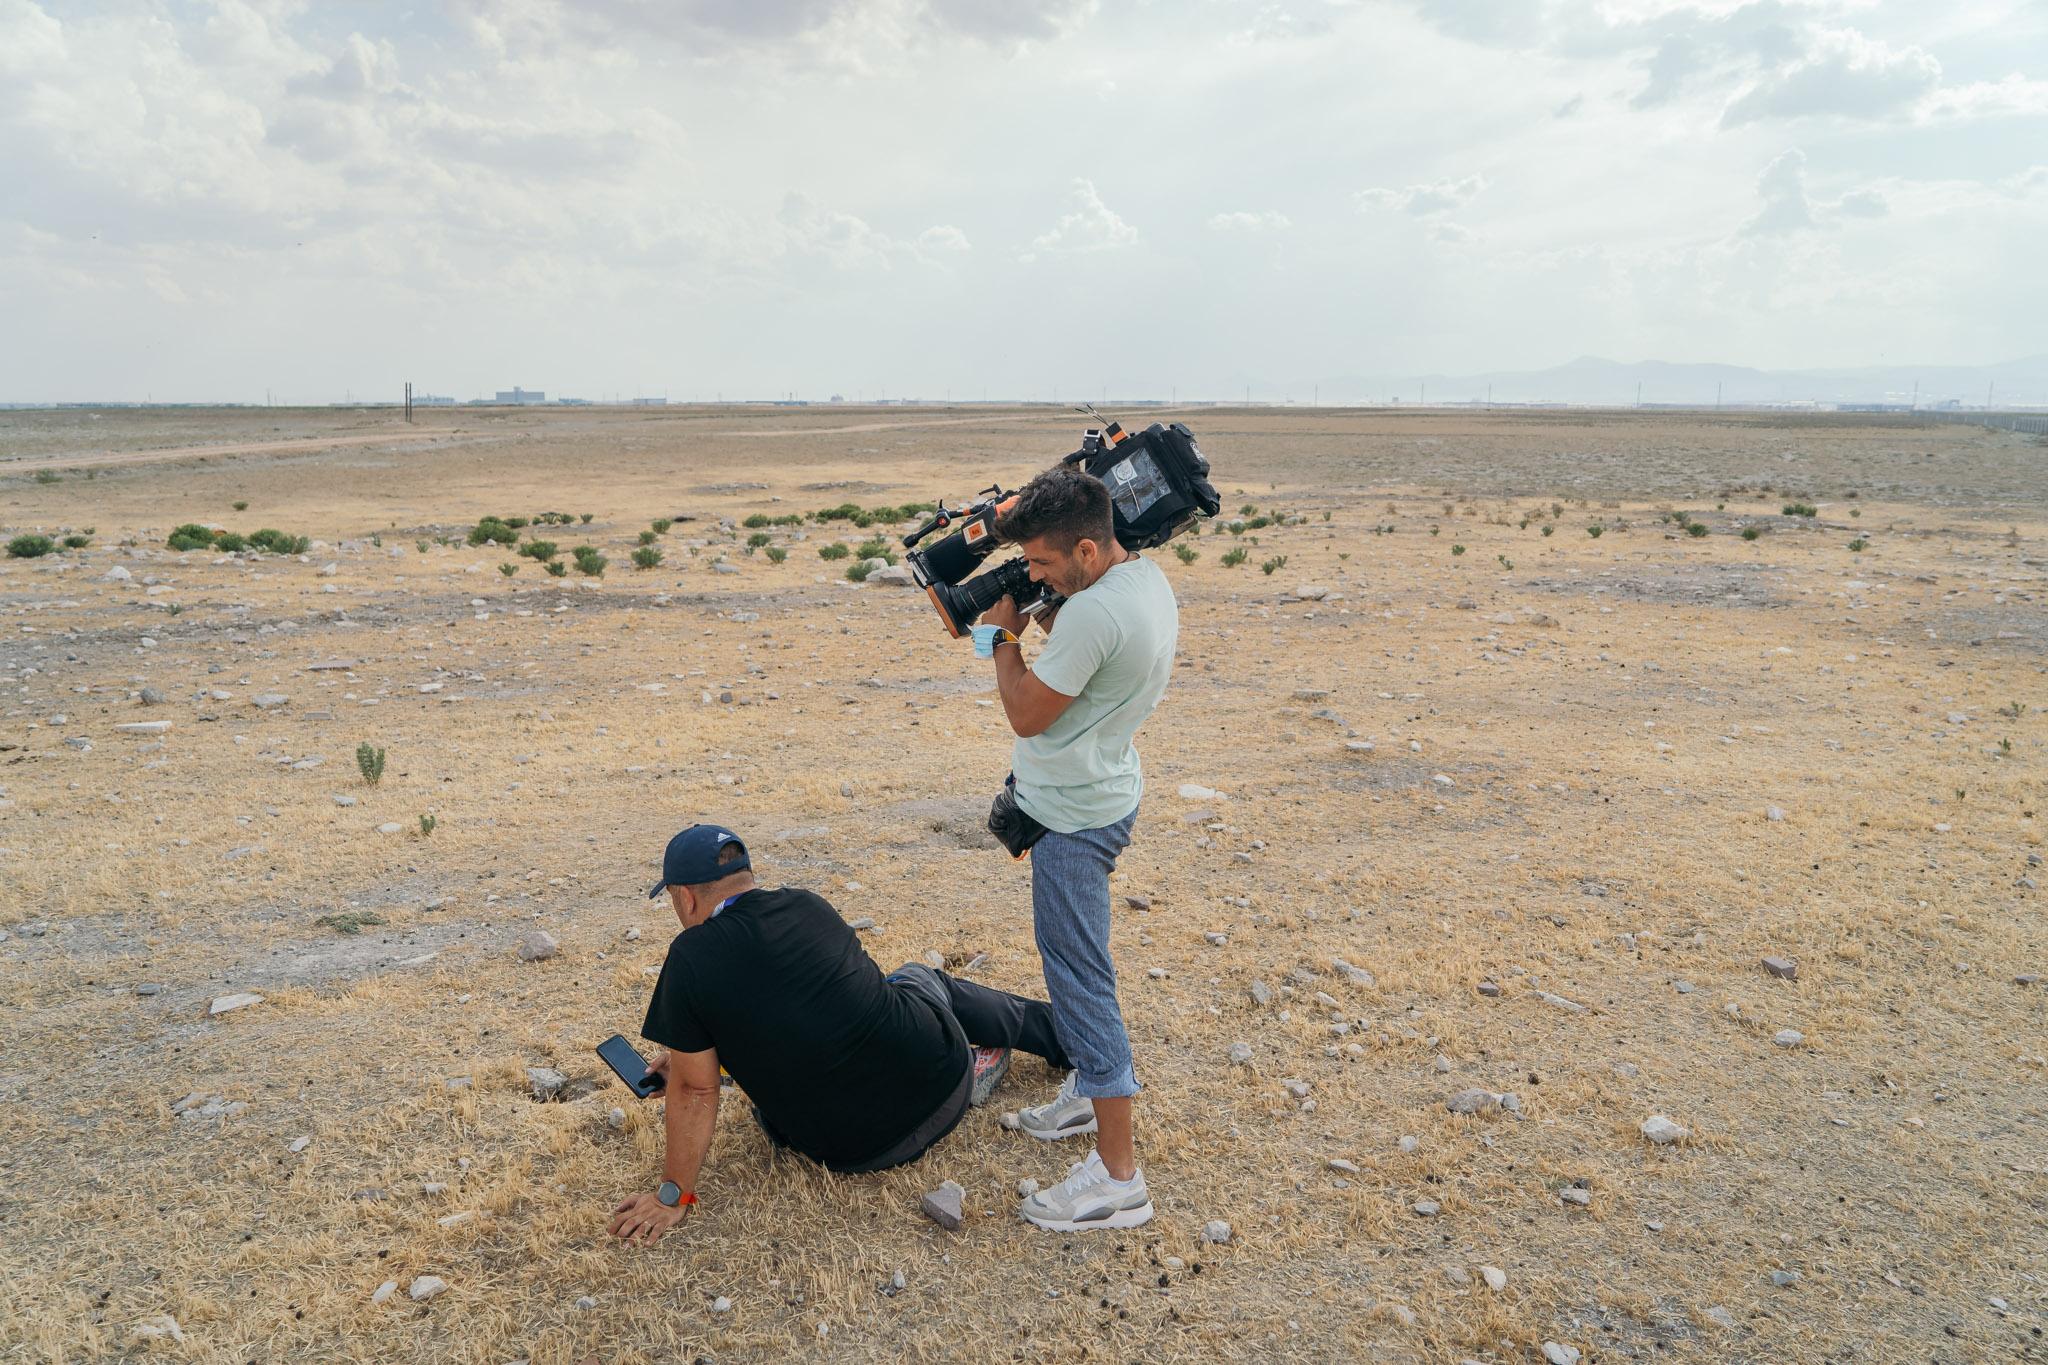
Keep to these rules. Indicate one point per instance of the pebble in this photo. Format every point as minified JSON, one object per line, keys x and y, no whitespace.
{"x":1489,"y":989}
{"x":1357,"y":976}
{"x":1241,"y":1054}
{"x":1785,"y":1279}
{"x":1683,"y":987}
{"x":1008,"y":1119}
{"x":943,"y":1205}
{"x":1774,"y":813}
{"x":117,"y":574}
{"x":389,"y":827}
{"x":1156,"y":973}
{"x":152,"y":697}
{"x":222,"y":1004}
{"x":1557,"y":1354}
{"x":586,"y":1303}
{"x":425,"y":1287}
{"x":1473,"y":1101}
{"x":1311,"y":592}
{"x":1138,"y":902}
{"x":1720,"y":1316}
{"x":616,"y":1119}
{"x":1026,"y":1188}
{"x":299,"y":1144}
{"x":144,"y":987}
{"x":546,"y":1081}
{"x":1409,"y":1145}
{"x":1784,"y":968}
{"x":342,"y":800}
{"x":1426,"y":1208}
{"x":538,"y":946}
{"x":1189,"y":791}
{"x":1298,"y":1089}
{"x":1574,"y":1194}
{"x":1216,"y":940}
{"x":268,"y":701}
{"x":1338,"y":1163}
{"x":1496,"y":1278}
{"x":1788,"y":1037}
{"x":1216,"y":1231}
{"x":1661,"y":1130}
{"x":384,"y":1291}
{"x":144,"y":727}
{"x":1262,"y":994}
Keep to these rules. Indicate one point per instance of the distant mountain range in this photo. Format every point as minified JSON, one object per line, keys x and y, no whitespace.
{"x":1593,"y":380}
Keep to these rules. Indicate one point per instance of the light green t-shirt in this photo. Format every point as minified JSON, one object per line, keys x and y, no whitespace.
{"x":1111,"y":650}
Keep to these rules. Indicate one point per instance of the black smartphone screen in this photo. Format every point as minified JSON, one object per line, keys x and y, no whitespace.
{"x":629,"y":1066}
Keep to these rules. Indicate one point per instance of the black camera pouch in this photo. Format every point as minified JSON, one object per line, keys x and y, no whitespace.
{"x":1014,"y":829}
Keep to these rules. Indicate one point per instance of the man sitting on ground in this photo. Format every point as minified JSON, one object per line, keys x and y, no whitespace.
{"x":855,"y":1070}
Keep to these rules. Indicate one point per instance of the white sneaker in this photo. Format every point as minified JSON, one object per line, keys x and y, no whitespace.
{"x":1065,"y":1115}
{"x":1090,"y":1198}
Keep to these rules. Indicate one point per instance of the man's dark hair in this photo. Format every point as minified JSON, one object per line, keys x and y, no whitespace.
{"x":1064,"y":505}
{"x":728,"y":854}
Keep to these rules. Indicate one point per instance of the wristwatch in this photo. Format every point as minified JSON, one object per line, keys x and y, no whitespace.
{"x":673,"y":1194}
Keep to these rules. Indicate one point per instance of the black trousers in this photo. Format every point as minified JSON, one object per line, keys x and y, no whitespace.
{"x":977,"y":1016}
{"x":989,"y":1017}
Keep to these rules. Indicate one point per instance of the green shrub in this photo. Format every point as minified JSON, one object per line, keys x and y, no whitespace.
{"x":278,"y":543}
{"x":1855,"y":511}
{"x":858,"y":571}
{"x":1187,"y":554}
{"x":1506,"y":563}
{"x":190,"y":536}
{"x":756,"y":521}
{"x":1247,"y":510}
{"x":241,"y":506}
{"x":227,"y":542}
{"x":833,"y":551}
{"x":1750,"y":533}
{"x":427,"y":823}
{"x":845,"y":511}
{"x":1595,"y":530}
{"x":585,"y":516}
{"x":1858,"y":545}
{"x":421,"y":545}
{"x":1273,"y":565}
{"x":491,"y":531}
{"x":646,"y":538}
{"x":349,"y":922}
{"x":1549,"y":528}
{"x":885,"y":514}
{"x":1258,"y":523}
{"x":542,"y":550}
{"x":508,"y":569}
{"x":1235,"y":528}
{"x":47,"y":476}
{"x":646,"y":557}
{"x":556,"y":568}
{"x":661,"y":525}
{"x":516,"y":523}
{"x":1235,"y":557}
{"x":591,"y":565}
{"x":758,"y":539}
{"x":77,"y":542}
{"x":370,"y":762}
{"x":1801,"y":509}
{"x":873,"y":549}
{"x":30,"y":547}
{"x":1696,"y":529}
{"x":776,"y":554}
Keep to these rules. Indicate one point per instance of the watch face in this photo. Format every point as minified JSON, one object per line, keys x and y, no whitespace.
{"x":670,"y":1193}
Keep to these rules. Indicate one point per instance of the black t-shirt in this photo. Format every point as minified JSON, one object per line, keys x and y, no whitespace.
{"x":842,"y":1064}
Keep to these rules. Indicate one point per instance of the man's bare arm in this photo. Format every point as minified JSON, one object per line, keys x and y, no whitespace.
{"x":690,"y":1114}
{"x":1029,"y":704}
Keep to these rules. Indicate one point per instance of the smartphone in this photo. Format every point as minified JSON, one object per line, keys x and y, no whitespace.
{"x":629,"y":1066}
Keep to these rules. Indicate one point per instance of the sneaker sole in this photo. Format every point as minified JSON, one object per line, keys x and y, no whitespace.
{"x":1123,"y":1218}
{"x":1080,"y":1130}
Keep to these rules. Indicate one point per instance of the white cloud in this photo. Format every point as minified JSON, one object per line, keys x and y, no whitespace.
{"x":1092,"y":226}
{"x":1440,"y":196}
{"x":1269,"y":221}
{"x":1782,"y":188}
{"x":1845,"y":75}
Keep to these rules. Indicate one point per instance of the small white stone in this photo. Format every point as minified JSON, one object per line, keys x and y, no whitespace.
{"x":1026,"y":1188}
{"x":1661,"y":1130}
{"x":224,"y":1003}
{"x":1408,"y":1145}
{"x":300,"y":1144}
{"x":1216,"y":1230}
{"x":721,"y":1304}
{"x":389,"y":827}
{"x":1788,"y":1037}
{"x":384,"y":1291}
{"x":1496,"y":1278}
{"x":424,"y":1287}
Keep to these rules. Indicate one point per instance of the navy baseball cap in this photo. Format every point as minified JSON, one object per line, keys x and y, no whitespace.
{"x":692,"y":858}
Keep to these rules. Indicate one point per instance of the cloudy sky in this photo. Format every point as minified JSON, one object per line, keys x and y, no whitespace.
{"x":208,"y":200}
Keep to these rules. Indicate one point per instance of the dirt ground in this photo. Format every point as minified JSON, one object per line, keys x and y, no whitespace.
{"x":1553,"y":796}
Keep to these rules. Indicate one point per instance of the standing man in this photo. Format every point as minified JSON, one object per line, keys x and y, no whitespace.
{"x":1104,"y":666}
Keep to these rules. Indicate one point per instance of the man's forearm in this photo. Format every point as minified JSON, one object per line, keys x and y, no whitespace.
{"x":1010,"y":671}
{"x":690,"y":1118}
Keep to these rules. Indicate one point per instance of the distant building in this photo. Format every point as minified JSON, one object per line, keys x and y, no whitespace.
{"x":432,"y":400}
{"x":519,"y":395}
{"x":650,"y":402}
{"x":838,"y":398}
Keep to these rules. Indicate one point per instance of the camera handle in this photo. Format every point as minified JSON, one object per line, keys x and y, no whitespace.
{"x":944,"y":517}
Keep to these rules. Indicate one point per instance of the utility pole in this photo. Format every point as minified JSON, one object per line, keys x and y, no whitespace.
{"x":1639,"y":393}
{"x":1989,"y":389}
{"x":1424,"y":399}
{"x":1717,"y":395}
{"x":1916,"y":395}
{"x":1489,"y":395}
{"x":408,"y":402}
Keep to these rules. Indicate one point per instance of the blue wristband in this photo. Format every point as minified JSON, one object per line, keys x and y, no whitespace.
{"x":986,"y":638}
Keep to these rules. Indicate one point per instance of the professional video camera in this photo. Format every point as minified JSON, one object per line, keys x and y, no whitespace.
{"x":1158,"y":486}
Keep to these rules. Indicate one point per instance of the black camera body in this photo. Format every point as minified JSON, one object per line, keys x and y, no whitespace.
{"x":1158,"y":482}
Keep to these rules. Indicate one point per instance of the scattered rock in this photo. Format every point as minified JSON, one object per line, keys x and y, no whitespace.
{"x":342,"y":799}
{"x":143,"y":987}
{"x":144,"y":727}
{"x":384,"y":1291}
{"x":424,"y":1287}
{"x":389,"y":827}
{"x":1496,"y":1278}
{"x":1216,"y":1231}
{"x":1662,"y":1131}
{"x":538,"y":946}
{"x":1474,"y":1101}
{"x":1489,"y":989}
{"x":1409,"y":1145}
{"x":1784,"y":968}
{"x":222,"y":1004}
{"x":268,"y":701}
{"x":1357,"y":976}
{"x":1311,"y":592}
{"x":299,"y":1144}
{"x":1262,"y":994}
{"x":1026,"y":1188}
{"x":1426,"y":1208}
{"x":1008,"y":1119}
{"x":151,"y":697}
{"x":159,"y":1326}
{"x":1298,"y":1089}
{"x":1774,"y":813}
{"x":943,"y":1206}
{"x":1788,"y":1037}
{"x":1576,"y":1194}
{"x":117,"y":574}
{"x":1190,"y":791}
{"x":1559,"y":1002}
{"x":1720,"y":1317}
{"x":1338,"y":1163}
{"x":895,"y":575}
{"x":547,"y":1082}
{"x":1556,"y":1354}
{"x":1785,"y":1279}
{"x":1241,"y":1054}
{"x":721,"y":1304}
{"x":1138,"y":902}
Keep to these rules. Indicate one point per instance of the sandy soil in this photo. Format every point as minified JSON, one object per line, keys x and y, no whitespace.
{"x":1577,"y":745}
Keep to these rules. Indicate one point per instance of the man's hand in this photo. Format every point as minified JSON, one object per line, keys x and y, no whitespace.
{"x":642,"y":1218}
{"x":1005,"y":615}
{"x":659,"y":1068}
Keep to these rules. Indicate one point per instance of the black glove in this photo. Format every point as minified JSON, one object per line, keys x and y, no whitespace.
{"x":1015,"y":830}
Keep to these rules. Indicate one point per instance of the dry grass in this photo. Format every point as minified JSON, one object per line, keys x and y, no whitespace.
{"x":1613,"y":746}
